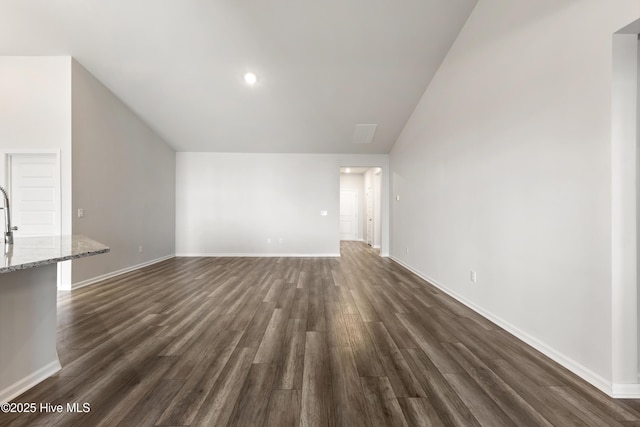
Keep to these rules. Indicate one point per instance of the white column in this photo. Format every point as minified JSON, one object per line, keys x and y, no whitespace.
{"x":624,"y":261}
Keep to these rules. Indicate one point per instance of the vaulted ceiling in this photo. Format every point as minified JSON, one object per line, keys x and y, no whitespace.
{"x":322,"y":66}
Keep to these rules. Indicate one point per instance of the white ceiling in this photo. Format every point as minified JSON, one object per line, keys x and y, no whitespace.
{"x":323,"y":66}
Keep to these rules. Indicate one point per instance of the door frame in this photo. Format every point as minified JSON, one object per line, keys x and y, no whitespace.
{"x":381,"y":183}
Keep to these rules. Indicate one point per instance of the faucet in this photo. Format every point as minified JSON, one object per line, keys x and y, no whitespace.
{"x":8,"y":234}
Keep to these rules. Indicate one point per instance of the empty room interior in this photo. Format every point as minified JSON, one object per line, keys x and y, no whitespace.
{"x":349,"y":213}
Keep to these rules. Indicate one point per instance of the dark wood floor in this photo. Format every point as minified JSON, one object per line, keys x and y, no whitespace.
{"x":354,"y":341}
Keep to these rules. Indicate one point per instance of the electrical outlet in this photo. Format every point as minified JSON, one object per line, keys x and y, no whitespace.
{"x":80,"y":213}
{"x":406,"y":250}
{"x":269,"y":240}
{"x":140,"y":249}
{"x":472,"y":276}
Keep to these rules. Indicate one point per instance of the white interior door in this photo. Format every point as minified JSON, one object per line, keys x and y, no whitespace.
{"x":34,"y":188}
{"x":348,"y":214}
{"x":370,"y":228}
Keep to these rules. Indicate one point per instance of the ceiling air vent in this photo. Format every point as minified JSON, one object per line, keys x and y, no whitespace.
{"x":363,"y":134}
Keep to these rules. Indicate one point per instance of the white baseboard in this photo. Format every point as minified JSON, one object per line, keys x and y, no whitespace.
{"x":575,"y":367}
{"x":255,"y":255}
{"x":97,"y":279}
{"x":19,"y":387}
{"x":625,"y":391}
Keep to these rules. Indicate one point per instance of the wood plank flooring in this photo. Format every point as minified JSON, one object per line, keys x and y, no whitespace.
{"x":350,"y":341}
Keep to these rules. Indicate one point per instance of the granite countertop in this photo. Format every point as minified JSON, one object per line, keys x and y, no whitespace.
{"x":29,"y":252}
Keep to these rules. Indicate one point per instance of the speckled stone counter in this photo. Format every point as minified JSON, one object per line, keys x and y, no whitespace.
{"x":28,"y":307}
{"x":29,"y":252}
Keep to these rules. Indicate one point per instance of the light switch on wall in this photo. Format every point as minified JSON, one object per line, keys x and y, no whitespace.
{"x":323,"y":213}
{"x":80,"y":213}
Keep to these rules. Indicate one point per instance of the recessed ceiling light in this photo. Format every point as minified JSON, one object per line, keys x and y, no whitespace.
{"x":250,"y":78}
{"x":348,"y":170}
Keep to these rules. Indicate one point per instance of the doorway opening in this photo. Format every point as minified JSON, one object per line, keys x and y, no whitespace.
{"x":360,"y":205}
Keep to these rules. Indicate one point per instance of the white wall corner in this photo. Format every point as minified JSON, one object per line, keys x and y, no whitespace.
{"x":624,"y":135}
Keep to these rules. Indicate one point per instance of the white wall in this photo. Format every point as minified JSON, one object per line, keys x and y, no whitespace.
{"x":356,"y":181}
{"x":505,"y":169}
{"x":232,"y":203}
{"x":123,"y":178}
{"x":35,"y":114}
